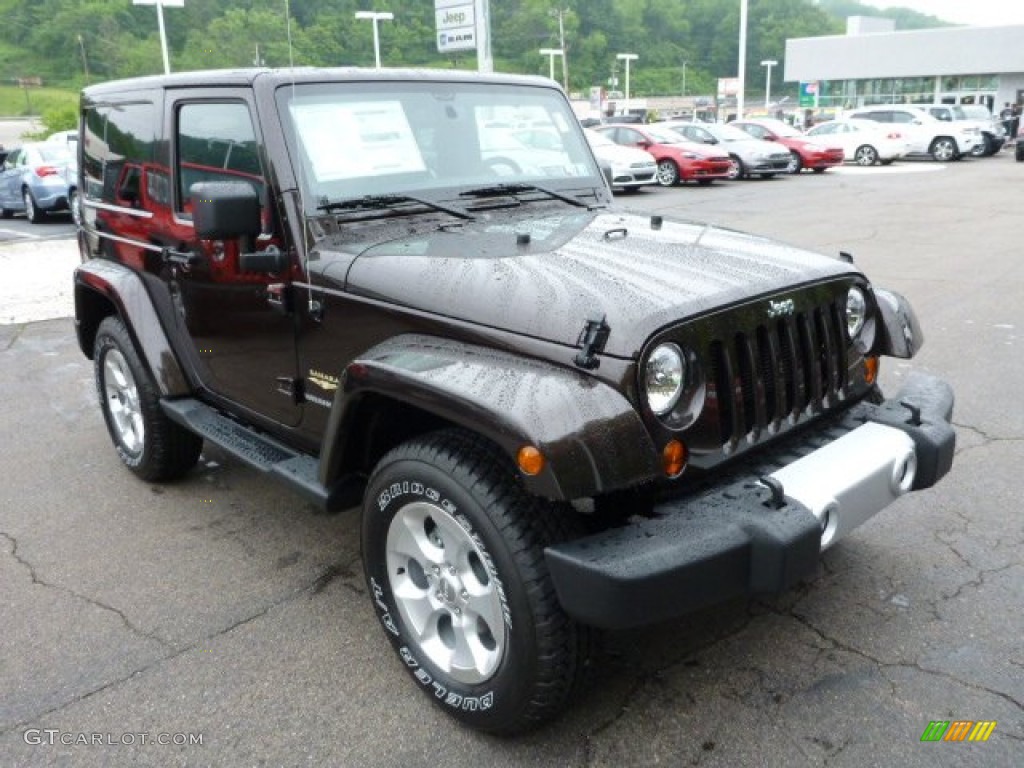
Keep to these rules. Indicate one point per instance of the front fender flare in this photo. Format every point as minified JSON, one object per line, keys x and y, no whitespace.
{"x":592,"y":438}
{"x":900,"y":334}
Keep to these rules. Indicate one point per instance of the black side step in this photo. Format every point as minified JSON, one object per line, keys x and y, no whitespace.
{"x":260,"y":451}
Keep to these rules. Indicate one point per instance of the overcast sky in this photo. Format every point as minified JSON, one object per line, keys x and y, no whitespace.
{"x":976,"y":12}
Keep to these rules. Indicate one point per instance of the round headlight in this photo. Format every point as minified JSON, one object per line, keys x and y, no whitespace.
{"x":856,"y":311}
{"x":663,"y":378}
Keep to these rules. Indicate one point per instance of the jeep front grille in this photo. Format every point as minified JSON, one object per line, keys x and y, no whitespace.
{"x":777,"y":371}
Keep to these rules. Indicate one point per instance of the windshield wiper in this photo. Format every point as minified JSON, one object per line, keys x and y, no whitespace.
{"x":518,"y":188}
{"x":379,"y":202}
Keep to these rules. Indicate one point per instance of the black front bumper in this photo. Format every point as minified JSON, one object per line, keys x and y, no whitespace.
{"x":736,"y":539}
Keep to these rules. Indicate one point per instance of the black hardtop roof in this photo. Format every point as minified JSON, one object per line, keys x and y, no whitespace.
{"x":213,"y":78}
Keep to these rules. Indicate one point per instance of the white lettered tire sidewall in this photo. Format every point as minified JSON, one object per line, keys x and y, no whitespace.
{"x":500,"y":700}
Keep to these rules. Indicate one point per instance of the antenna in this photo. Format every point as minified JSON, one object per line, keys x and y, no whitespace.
{"x":311,"y":304}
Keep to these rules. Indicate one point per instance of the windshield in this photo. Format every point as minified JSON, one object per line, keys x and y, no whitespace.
{"x":780,"y":128}
{"x":665,"y":135}
{"x":388,"y":138}
{"x":598,"y":139}
{"x":54,"y":154}
{"x":728,"y":133}
{"x":976,"y":112}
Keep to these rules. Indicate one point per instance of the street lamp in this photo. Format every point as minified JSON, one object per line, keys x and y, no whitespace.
{"x":768,"y":64}
{"x":375,"y":16}
{"x":160,"y":24}
{"x":551,"y":53}
{"x":626,"y":57}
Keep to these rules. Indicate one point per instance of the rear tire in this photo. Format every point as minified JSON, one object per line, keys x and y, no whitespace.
{"x":736,"y":169}
{"x":453,"y":551}
{"x":865,"y":155}
{"x":32,"y":211}
{"x":150,"y":445}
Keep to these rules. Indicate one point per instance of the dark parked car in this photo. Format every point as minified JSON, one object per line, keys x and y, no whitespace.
{"x":555,"y":415}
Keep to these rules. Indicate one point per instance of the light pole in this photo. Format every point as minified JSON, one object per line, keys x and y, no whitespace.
{"x":768,"y":64}
{"x":684,"y":78}
{"x":375,"y":16}
{"x":160,"y":24}
{"x":741,"y":66}
{"x":551,"y":53}
{"x":626,"y":57}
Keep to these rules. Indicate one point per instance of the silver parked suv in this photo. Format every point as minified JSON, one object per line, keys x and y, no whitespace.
{"x":927,"y":135}
{"x":993,"y":132}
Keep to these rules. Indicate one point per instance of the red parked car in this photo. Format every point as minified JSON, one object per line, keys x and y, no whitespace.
{"x":679,"y":160}
{"x":805,"y":154}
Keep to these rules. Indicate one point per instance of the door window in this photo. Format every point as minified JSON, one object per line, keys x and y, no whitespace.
{"x":216,"y":142}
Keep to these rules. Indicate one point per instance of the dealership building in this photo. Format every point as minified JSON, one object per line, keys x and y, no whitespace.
{"x":873,"y":64}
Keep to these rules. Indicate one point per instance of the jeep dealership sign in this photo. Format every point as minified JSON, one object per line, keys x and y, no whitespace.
{"x":456,"y":25}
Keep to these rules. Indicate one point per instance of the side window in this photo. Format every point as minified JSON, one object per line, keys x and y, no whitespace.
{"x":12,"y":159}
{"x":901,"y":117}
{"x":630,"y":136}
{"x":216,"y":142}
{"x":116,"y":136}
{"x":756,"y":131}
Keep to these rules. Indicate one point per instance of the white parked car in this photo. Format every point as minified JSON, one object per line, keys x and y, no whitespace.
{"x":632,"y":168}
{"x":928,"y":135}
{"x":864,"y":142}
{"x":750,"y":156}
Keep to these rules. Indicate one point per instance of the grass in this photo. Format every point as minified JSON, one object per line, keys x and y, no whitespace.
{"x":16,"y":102}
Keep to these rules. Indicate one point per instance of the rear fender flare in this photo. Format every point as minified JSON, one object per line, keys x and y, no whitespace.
{"x":105,"y":287}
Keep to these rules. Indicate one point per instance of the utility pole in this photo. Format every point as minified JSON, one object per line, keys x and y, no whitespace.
{"x":85,"y":61}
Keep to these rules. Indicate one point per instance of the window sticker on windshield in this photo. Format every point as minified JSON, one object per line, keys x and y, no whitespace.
{"x":346,"y":141}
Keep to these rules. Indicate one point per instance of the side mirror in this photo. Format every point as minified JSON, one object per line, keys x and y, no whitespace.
{"x":225,"y":209}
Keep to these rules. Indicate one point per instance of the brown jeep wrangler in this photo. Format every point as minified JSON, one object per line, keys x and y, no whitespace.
{"x":557,"y":416}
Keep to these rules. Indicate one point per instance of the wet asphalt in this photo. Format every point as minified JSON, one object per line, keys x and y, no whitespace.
{"x":225,"y":608}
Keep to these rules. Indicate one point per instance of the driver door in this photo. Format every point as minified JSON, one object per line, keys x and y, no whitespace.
{"x":243,"y":348}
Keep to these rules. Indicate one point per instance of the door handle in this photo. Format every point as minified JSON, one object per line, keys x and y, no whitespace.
{"x":179,"y":258}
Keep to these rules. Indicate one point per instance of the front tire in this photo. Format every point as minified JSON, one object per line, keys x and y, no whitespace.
{"x":668,"y":173}
{"x":453,"y":550}
{"x":150,"y":445}
{"x":796,"y":163}
{"x":944,"y":149}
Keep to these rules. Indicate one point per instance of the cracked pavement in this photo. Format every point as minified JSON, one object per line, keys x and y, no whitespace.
{"x":225,"y":605}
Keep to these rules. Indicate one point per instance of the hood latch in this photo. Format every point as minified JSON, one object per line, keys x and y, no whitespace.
{"x":591,"y":342}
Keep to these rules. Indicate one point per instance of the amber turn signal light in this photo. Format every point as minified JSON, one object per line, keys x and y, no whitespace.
{"x":530,"y":460}
{"x":870,"y":369}
{"x":673,"y":458}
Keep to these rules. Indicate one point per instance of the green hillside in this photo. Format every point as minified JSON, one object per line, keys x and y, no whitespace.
{"x":681,"y":43}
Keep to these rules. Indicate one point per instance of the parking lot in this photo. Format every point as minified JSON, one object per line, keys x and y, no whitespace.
{"x":224,"y":610}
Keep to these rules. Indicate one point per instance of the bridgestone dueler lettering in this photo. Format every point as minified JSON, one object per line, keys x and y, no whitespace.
{"x":544,"y":651}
